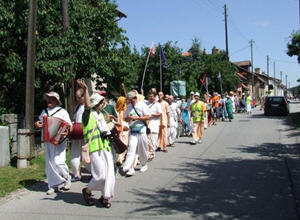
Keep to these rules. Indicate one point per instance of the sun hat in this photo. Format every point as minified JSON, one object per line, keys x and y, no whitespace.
{"x":95,"y":99}
{"x":197,"y":94}
{"x":192,"y":93}
{"x":52,"y":94}
{"x":131,"y":95}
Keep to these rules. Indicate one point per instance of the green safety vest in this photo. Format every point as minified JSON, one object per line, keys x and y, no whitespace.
{"x":96,"y":142}
{"x":197,"y":111}
{"x":248,"y":100}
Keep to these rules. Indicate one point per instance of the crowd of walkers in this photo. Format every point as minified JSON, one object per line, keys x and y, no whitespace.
{"x":146,"y":125}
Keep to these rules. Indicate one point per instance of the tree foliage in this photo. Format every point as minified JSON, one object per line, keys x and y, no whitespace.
{"x":293,"y":45}
{"x":91,"y":47}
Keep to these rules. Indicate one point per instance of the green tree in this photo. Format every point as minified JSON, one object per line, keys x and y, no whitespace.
{"x":93,"y":45}
{"x":293,"y":45}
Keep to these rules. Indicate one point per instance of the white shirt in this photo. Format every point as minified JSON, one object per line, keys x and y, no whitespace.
{"x":154,"y":108}
{"x":77,"y":117}
{"x":142,"y":110}
{"x":174,"y":111}
{"x":62,"y":114}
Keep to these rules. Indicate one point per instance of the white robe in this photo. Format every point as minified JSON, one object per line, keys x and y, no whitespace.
{"x":102,"y":166}
{"x":57,"y":171}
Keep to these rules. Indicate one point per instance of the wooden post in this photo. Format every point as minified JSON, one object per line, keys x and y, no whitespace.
{"x":30,"y":73}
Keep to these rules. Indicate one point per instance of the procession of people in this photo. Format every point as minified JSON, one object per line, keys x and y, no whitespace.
{"x":111,"y":139}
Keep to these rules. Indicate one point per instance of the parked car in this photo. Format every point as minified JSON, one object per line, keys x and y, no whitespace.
{"x":276,"y":105}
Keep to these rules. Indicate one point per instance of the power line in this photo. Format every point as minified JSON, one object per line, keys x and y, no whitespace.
{"x":239,"y":50}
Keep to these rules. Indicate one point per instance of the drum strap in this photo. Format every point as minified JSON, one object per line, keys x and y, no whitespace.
{"x":46,"y":110}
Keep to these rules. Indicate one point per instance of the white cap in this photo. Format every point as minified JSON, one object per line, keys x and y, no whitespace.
{"x":95,"y":99}
{"x":52,"y":94}
{"x":197,"y":94}
{"x":131,"y":95}
{"x":192,"y":93}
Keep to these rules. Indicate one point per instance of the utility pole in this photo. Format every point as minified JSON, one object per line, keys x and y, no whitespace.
{"x":286,"y":84}
{"x":226,"y":32}
{"x":69,"y":87}
{"x":251,"y":45}
{"x":30,"y":73}
{"x":268,"y":60}
{"x":281,"y":76}
{"x":274,"y":79}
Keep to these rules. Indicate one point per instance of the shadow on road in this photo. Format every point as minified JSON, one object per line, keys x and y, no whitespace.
{"x":229,"y":188}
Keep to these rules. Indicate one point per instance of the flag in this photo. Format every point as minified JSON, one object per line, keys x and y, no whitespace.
{"x":219,"y":75}
{"x":152,"y":49}
{"x":203,"y":80}
{"x":163,"y":57}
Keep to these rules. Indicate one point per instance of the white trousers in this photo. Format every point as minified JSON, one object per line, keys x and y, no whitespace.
{"x":102,"y":169}
{"x":57,"y":171}
{"x":172,"y":134}
{"x":138,"y":144}
{"x":76,"y":156}
{"x":153,"y":141}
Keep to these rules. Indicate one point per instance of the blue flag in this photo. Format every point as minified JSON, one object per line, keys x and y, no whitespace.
{"x":163,"y":57}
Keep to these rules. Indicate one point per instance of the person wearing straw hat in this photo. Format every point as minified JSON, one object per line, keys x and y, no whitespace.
{"x":96,"y":133}
{"x":57,"y":171}
{"x":197,"y":112}
{"x":137,"y":113}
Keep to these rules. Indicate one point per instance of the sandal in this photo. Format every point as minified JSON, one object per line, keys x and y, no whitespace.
{"x":87,"y":197}
{"x":104,"y":202}
{"x":165,"y":150}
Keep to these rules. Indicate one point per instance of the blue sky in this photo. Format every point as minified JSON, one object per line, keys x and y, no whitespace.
{"x":268,"y":22}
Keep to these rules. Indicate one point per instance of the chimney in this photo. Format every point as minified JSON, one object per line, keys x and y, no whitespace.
{"x":215,"y":50}
{"x":257,"y":70}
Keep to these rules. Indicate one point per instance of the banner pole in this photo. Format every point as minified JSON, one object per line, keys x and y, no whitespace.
{"x":145,"y":68}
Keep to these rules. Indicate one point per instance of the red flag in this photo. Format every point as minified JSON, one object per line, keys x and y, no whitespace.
{"x":203,"y":80}
{"x":152,"y":49}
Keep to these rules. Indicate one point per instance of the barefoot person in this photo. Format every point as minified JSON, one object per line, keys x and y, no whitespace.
{"x":57,"y":171}
{"x":102,"y":168}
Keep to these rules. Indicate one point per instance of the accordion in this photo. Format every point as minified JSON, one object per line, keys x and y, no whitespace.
{"x":53,"y":129}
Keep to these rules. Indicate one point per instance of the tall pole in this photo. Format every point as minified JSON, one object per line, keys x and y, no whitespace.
{"x":268,"y":61}
{"x":274,"y":79}
{"x":281,"y":76}
{"x":69,"y":87}
{"x":30,"y":73}
{"x":145,"y":68}
{"x":251,"y":45}
{"x":226,"y":32}
{"x":286,"y":84}
{"x":160,"y":69}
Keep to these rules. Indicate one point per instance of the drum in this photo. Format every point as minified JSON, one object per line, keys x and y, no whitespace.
{"x":77,"y":132}
{"x":53,"y":129}
{"x":116,"y":142}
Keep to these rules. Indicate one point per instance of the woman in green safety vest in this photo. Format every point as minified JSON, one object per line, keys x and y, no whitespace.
{"x":96,"y":133}
{"x":197,"y":109}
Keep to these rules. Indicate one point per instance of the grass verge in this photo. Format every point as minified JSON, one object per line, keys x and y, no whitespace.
{"x":12,"y":178}
{"x":296,"y":119}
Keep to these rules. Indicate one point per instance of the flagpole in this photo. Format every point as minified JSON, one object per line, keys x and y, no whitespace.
{"x":160,"y":68}
{"x":145,"y":68}
{"x":221,"y":85}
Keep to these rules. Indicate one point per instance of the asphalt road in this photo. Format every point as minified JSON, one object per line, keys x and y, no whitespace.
{"x":245,"y":169}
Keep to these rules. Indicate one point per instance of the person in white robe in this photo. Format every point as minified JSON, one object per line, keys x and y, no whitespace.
{"x":102,"y":166}
{"x":155,"y":114}
{"x":174,"y":120}
{"x":57,"y":171}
